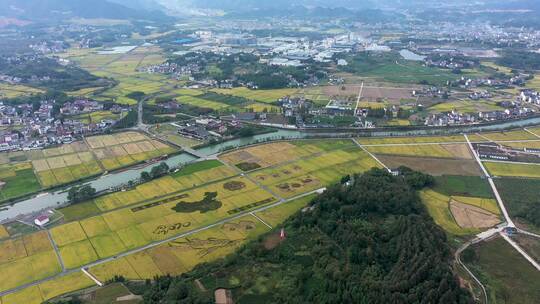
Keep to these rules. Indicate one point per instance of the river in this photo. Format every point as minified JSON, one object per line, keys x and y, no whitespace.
{"x":58,"y":198}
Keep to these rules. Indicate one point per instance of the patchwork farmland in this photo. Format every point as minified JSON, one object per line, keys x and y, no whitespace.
{"x":30,"y":171}
{"x":203,"y":212}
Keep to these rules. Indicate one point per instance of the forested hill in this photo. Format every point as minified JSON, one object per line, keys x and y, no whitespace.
{"x":371,"y":242}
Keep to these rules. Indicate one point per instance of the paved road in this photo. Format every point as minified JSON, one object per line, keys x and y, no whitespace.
{"x":358,"y":99}
{"x":509,"y":222}
{"x":507,"y":218}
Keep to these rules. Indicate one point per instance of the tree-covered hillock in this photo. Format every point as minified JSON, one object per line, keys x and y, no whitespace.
{"x":369,"y":242}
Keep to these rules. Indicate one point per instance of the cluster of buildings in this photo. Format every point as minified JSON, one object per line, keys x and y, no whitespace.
{"x":468,"y":83}
{"x":170,"y":68}
{"x":494,"y":151}
{"x":457,"y":118}
{"x":49,"y":47}
{"x":529,"y":96}
{"x":207,"y":128}
{"x":452,"y":63}
{"x":27,"y":126}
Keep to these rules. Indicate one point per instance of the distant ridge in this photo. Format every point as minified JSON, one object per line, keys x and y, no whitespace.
{"x":41,"y":10}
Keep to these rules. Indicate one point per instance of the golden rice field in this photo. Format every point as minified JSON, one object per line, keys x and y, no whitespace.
{"x":466,"y":106}
{"x":269,"y":154}
{"x":27,"y":259}
{"x":95,"y":155}
{"x":428,"y":150}
{"x":275,"y":216}
{"x":183,"y":254}
{"x":165,"y":186}
{"x":304,"y":175}
{"x":531,"y":144}
{"x":265,"y":96}
{"x":110,"y":233}
{"x":202,"y":103}
{"x":175,"y":257}
{"x":477,"y":138}
{"x":96,"y":117}
{"x":197,"y":195}
{"x":27,"y":172}
{"x":411,"y":140}
{"x":3,"y":232}
{"x":49,"y":289}
{"x":511,"y":135}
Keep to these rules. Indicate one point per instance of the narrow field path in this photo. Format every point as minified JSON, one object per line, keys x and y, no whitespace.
{"x":371,"y":154}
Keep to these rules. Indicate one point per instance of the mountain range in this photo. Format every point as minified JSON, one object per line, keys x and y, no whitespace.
{"x":51,"y":10}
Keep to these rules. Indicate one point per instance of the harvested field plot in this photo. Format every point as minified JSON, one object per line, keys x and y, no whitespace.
{"x":265,"y":96}
{"x":507,"y":169}
{"x":370,"y":93}
{"x":531,"y":144}
{"x":460,"y":151}
{"x":438,"y":207}
{"x":433,"y":166}
{"x":468,"y":216}
{"x":511,"y":135}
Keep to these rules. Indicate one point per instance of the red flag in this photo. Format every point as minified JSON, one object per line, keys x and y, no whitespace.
{"x":282,"y":234}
